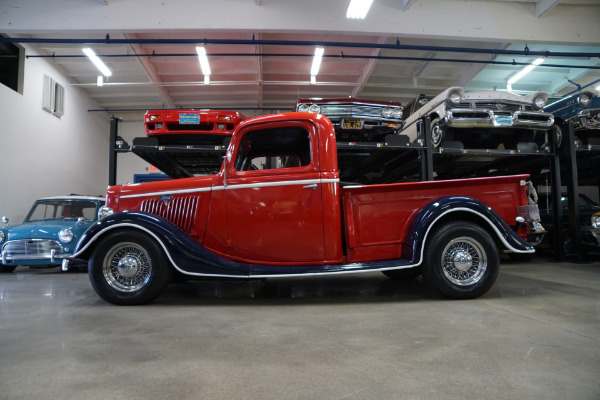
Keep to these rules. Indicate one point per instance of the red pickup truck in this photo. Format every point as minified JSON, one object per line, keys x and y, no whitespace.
{"x":277,"y":208}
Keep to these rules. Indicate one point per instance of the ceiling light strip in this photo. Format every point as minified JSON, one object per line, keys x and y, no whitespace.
{"x":358,"y":9}
{"x":97,"y":61}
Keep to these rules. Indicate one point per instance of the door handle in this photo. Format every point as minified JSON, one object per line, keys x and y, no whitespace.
{"x":313,"y":186}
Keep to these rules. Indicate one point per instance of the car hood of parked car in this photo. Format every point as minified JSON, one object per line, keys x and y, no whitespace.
{"x":45,"y":229}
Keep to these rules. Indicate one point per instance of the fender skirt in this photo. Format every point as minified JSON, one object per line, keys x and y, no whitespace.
{"x":427,"y":217}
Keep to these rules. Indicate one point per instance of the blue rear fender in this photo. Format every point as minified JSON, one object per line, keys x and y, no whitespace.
{"x":184,"y":254}
{"x":459,"y":208}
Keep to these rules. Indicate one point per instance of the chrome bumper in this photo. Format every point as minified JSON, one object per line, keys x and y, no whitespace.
{"x":472,"y":118}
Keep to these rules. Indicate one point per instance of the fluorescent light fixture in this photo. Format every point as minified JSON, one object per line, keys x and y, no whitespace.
{"x":206,"y":79}
{"x":598,"y":88}
{"x":316,"y":64}
{"x":97,"y":61}
{"x":201,"y":50}
{"x":100,"y":80}
{"x":525,"y":70}
{"x":358,"y":9}
{"x":313,"y":79}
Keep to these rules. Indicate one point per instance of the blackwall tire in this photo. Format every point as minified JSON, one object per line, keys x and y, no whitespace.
{"x":6,"y":269}
{"x":437,"y":132}
{"x":129,"y":268}
{"x":461,"y":261}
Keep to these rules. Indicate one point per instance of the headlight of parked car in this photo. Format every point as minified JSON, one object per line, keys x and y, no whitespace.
{"x":314,"y":109}
{"x":303,"y":107}
{"x":584,"y":100}
{"x":104,"y":211}
{"x":453,"y":99}
{"x":387,"y":113}
{"x":2,"y":237}
{"x":596,"y":221}
{"x":397,"y":114}
{"x":65,"y":236}
{"x":538,"y":103}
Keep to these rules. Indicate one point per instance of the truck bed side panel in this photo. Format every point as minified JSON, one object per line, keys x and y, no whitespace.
{"x":377,"y":217}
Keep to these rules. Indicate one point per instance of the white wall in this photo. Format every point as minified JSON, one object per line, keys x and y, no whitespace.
{"x":42,"y":155}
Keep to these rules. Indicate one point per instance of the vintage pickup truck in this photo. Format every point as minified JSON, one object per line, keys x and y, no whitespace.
{"x":278,"y":209}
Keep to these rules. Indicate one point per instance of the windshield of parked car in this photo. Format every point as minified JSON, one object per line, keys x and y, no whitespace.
{"x":62,"y":209}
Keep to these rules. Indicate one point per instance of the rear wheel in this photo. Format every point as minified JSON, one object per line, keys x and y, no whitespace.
{"x":461,"y":261}
{"x":129,"y":268}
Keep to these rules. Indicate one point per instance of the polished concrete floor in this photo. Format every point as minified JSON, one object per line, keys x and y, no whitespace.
{"x":534,"y":335}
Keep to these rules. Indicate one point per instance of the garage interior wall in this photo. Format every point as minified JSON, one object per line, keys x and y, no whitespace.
{"x":43,"y":155}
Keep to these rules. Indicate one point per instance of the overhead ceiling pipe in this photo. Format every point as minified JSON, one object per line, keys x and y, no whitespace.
{"x":395,"y":46}
{"x":349,"y":56}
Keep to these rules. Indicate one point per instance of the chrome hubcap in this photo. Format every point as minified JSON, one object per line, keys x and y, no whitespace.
{"x":127,"y":267}
{"x":464,"y":261}
{"x":436,"y":134}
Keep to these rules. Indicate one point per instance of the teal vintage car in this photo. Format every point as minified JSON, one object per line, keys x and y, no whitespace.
{"x":49,"y":233}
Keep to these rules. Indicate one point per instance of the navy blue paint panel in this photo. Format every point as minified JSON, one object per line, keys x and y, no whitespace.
{"x":275,"y":270}
{"x":423,"y":220}
{"x":187,"y":254}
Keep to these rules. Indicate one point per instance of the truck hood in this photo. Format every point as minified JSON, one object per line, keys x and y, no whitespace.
{"x":168,"y":187}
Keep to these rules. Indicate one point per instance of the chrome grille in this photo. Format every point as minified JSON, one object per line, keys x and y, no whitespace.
{"x":180,"y":211}
{"x":354,"y":111}
{"x":494,"y":106}
{"x":31,"y":249}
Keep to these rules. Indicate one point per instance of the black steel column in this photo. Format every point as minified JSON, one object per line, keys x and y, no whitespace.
{"x":572,"y":178}
{"x":112,"y":154}
{"x":556,"y":194}
{"x":427,"y":154}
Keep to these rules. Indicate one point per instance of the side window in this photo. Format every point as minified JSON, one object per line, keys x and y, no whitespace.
{"x":276,"y":148}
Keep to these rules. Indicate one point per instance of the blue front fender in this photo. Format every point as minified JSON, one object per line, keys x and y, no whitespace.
{"x":185,"y":254}
{"x":452,"y":206}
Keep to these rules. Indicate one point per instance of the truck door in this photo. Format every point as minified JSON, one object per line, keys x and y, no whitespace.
{"x":273,"y":195}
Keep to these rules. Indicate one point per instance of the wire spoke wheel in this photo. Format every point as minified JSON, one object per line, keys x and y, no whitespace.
{"x":463,"y":261}
{"x":127,"y":267}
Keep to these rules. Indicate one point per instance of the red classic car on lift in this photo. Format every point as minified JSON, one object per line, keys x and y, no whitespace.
{"x":179,"y":126}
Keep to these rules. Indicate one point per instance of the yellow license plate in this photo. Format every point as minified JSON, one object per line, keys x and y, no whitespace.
{"x":352,"y":124}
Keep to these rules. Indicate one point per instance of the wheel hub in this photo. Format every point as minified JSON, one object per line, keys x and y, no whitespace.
{"x":462,"y":261}
{"x":128,"y":266}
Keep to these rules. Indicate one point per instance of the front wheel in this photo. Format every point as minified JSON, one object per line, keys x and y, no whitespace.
{"x":129,"y":268}
{"x":461,"y":261}
{"x":437,"y":132}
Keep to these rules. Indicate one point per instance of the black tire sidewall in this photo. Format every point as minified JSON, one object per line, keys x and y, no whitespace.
{"x":159,"y":277}
{"x":432,"y":271}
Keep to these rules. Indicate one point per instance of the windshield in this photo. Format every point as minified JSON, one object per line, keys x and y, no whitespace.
{"x":62,"y":209}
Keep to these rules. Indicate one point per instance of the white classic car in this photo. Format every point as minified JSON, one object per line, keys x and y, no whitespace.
{"x":481,"y":119}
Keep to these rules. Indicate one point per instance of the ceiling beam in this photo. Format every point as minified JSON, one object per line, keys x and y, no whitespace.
{"x":368,"y":69}
{"x":153,"y":75}
{"x":543,"y":6}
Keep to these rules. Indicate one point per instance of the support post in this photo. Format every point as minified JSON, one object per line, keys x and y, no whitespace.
{"x":112,"y":154}
{"x":427,"y":155}
{"x":570,"y":159}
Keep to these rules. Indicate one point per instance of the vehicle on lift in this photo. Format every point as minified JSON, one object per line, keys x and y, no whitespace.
{"x":482,"y":119}
{"x":277,"y":209}
{"x":589,"y":221}
{"x":356,"y":119}
{"x":49,"y":232}
{"x":583,"y":109}
{"x":188,"y":127}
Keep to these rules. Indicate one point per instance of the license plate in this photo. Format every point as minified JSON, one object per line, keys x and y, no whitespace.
{"x":503,"y":120}
{"x":189,"y":119}
{"x":352,"y":124}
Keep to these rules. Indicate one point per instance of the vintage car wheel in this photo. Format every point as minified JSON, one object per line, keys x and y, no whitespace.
{"x":406,"y":273}
{"x":129,"y":268}
{"x":437,"y":132}
{"x":461,"y":261}
{"x":5,"y":269}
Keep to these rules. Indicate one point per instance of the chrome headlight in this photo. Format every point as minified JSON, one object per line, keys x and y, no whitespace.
{"x":2,"y":236}
{"x":65,"y":236}
{"x":584,"y":100}
{"x":397,"y":114}
{"x":314,"y":109}
{"x":386,"y":113}
{"x":596,"y":221}
{"x":303,"y":107}
{"x":538,"y":103}
{"x":104,"y":211}
{"x":453,"y":99}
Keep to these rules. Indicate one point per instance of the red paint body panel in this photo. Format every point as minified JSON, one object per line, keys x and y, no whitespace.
{"x":296,"y":215}
{"x":377,"y":216}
